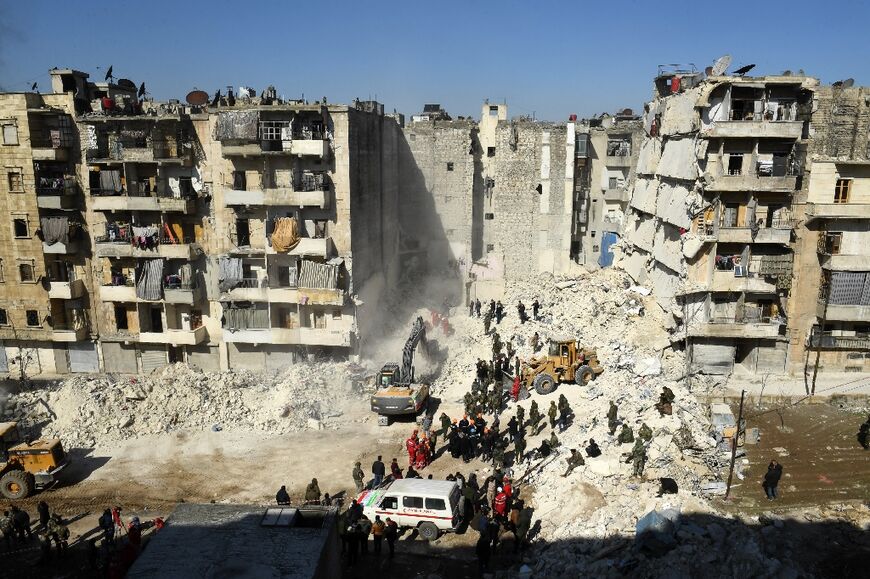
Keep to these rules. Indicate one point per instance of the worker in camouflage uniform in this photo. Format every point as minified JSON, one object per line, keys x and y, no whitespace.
{"x":445,"y":423}
{"x":552,"y":412}
{"x":554,"y":441}
{"x":521,"y":418}
{"x":56,"y":531}
{"x":312,"y":492}
{"x":645,"y":433}
{"x":666,"y":401}
{"x":611,"y":417}
{"x":519,"y":449}
{"x":358,"y":476}
{"x":469,"y":403}
{"x":534,"y":416}
{"x":487,"y":321}
{"x":625,"y":435}
{"x":575,"y":460}
{"x":638,"y":457}
{"x":496,"y":345}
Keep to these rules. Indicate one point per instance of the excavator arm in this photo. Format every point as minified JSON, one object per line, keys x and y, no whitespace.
{"x":418,"y":334}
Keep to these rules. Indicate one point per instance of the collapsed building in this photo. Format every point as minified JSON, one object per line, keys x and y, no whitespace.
{"x":719,"y":216}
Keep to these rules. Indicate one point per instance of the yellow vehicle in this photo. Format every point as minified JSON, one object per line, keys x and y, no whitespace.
{"x":566,"y":361}
{"x":398,"y":392}
{"x":26,"y":465}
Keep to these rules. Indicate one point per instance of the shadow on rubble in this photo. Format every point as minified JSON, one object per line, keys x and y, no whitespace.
{"x":694,"y":546}
{"x":82,"y":465}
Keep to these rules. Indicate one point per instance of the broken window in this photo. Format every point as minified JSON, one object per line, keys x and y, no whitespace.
{"x":32,"y":318}
{"x":13,"y":179}
{"x":833,"y":242}
{"x":449,"y":165}
{"x":489,"y":215}
{"x":25,"y":272}
{"x":319,"y":321}
{"x":619,"y":147}
{"x":10,"y":133}
{"x":730,"y":215}
{"x":336,"y":314}
{"x":239,"y":181}
{"x":735,"y":164}
{"x":4,"y":318}
{"x":243,"y":232}
{"x":490,"y":151}
{"x":842,"y":190}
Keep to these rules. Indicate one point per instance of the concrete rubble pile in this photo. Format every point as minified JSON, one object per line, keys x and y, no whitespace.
{"x":580,"y":513}
{"x":85,"y":411}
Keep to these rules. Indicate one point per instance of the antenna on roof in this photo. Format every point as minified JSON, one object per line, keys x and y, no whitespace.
{"x":721,"y":65}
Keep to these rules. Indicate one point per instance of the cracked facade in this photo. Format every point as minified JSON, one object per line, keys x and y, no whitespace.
{"x":727,"y":223}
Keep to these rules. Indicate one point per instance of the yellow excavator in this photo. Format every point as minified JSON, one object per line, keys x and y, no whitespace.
{"x":566,"y":361}
{"x":26,"y":465}
{"x":398,"y":393}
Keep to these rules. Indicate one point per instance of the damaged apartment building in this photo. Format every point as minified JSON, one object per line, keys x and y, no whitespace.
{"x":500,"y":198}
{"x":716,"y":222}
{"x":218,"y":234}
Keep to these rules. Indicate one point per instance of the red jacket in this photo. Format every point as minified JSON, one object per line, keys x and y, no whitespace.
{"x":500,"y":503}
{"x":515,"y":391}
{"x":411,"y":445}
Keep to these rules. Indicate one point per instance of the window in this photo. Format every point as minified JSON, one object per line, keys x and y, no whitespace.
{"x":10,"y":133}
{"x":450,"y":165}
{"x":412,"y":136}
{"x":490,"y":247}
{"x":25,"y":272}
{"x":412,"y":502}
{"x":489,"y":215}
{"x":33,"y":318}
{"x":13,"y":179}
{"x":596,"y":248}
{"x":4,"y":319}
{"x":592,"y":234}
{"x":842,"y":190}
{"x":239,"y":181}
{"x":735,"y":164}
{"x":490,"y":151}
{"x":493,"y":110}
{"x":612,"y":183}
{"x":319,"y":321}
{"x":435,"y":504}
{"x":336,"y":314}
{"x":19,"y":226}
{"x":833,"y":241}
{"x":389,"y":503}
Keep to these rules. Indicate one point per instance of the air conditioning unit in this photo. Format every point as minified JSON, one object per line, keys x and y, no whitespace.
{"x":739,"y":271}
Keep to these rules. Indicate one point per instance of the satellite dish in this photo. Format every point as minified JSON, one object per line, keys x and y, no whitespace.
{"x":721,"y":65}
{"x":848,"y":82}
{"x":126,"y":83}
{"x":708,"y":71}
{"x":197,"y":98}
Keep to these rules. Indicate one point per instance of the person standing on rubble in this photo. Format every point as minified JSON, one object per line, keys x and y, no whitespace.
{"x":521,"y":312}
{"x":564,"y":412}
{"x":611,"y":417}
{"x":645,"y":432}
{"x":391,"y":533}
{"x":358,"y":476}
{"x":499,"y":312}
{"x":378,"y":528}
{"x":519,"y":449}
{"x":477,"y":307}
{"x":551,"y":414}
{"x":445,"y":423}
{"x":395,"y":469}
{"x":535,"y":308}
{"x":411,"y":447}
{"x":535,"y":342}
{"x":517,"y":365}
{"x":492,"y":308}
{"x":771,"y":479}
{"x":637,"y":457}
{"x":471,"y":308}
{"x":625,"y":435}
{"x":487,"y":321}
{"x":534,"y":417}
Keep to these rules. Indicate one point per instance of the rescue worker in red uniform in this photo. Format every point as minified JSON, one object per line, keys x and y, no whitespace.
{"x":411,"y":444}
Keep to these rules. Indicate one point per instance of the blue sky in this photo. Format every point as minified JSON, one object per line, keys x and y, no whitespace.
{"x":548,"y":57}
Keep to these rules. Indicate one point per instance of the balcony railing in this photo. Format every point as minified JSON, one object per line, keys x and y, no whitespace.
{"x":828,"y":340}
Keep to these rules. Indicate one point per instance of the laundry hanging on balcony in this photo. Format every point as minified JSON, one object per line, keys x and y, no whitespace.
{"x":55,"y":230}
{"x":145,"y":237}
{"x":318,"y":275}
{"x":285,"y":236}
{"x":244,"y":318}
{"x":149,"y":285}
{"x":230,"y":275}
{"x":110,"y":181}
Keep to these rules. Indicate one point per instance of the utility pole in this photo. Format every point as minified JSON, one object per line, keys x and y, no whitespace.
{"x":734,"y":444}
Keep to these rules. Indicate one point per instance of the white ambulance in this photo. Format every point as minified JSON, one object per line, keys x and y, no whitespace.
{"x":430,"y":506}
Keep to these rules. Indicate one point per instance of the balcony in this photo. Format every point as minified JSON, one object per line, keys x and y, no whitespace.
{"x":843,"y":313}
{"x":50,"y":153}
{"x":307,"y":246}
{"x":65,"y":333}
{"x":284,"y":295}
{"x":175,"y":337}
{"x":188,"y":249}
{"x":726,"y":281}
{"x":310,"y":147}
{"x":840,"y":262}
{"x":837,"y":211}
{"x":109,"y":201}
{"x":324,"y":337}
{"x":60,"y":248}
{"x":618,"y":161}
{"x":617,"y":195}
{"x":249,"y":290}
{"x":176,"y":293}
{"x":25,"y":333}
{"x":724,"y":328}
{"x":757,"y":129}
{"x":233,"y":197}
{"x":299,"y":147}
{"x":296,"y":197}
{"x":827,"y":340}
{"x":57,"y":197}
{"x":248,"y":336}
{"x":66,"y":290}
{"x":321,"y":296}
{"x":118,"y":293}
{"x":785,"y":184}
{"x":775,"y":235}
{"x":141,"y":152}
